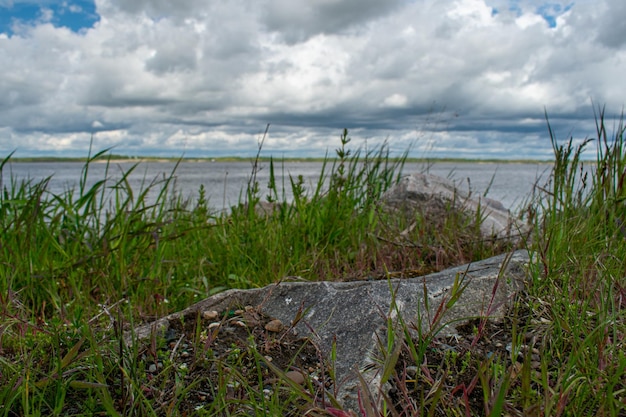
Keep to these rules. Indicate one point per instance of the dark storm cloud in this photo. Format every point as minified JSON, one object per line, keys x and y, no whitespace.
{"x":298,"y":21}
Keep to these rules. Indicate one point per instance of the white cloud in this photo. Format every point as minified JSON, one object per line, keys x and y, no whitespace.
{"x":162,"y":77}
{"x":396,"y":100}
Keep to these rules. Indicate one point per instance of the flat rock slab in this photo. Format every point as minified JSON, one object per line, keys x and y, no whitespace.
{"x":351,"y":313}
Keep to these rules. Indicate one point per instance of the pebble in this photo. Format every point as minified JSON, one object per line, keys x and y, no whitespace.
{"x":153,"y":367}
{"x":274,"y":326}
{"x":411,"y":371}
{"x":214,"y":325}
{"x":210,"y":315}
{"x":295,"y":376}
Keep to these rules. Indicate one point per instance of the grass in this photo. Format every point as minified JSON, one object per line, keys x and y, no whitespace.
{"x":80,"y":268}
{"x":565,"y":331}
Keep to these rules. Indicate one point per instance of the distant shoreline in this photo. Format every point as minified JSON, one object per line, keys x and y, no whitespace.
{"x":119,"y":159}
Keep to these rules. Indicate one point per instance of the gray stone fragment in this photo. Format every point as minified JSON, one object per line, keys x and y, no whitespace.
{"x":434,"y":196}
{"x":353,"y":312}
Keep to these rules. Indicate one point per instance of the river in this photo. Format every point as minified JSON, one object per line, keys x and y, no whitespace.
{"x":509,"y":183}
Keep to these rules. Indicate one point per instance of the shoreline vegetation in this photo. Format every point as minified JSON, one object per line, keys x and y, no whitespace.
{"x":81,"y":269}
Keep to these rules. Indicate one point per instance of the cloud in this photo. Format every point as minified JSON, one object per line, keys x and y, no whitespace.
{"x":299,"y":21}
{"x":612,"y":31}
{"x":205,"y":77}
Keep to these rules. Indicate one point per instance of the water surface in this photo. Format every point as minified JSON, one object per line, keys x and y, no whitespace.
{"x":509,"y":183}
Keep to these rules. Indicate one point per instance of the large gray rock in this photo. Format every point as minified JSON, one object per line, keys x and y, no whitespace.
{"x":433,"y":196}
{"x":353,"y":312}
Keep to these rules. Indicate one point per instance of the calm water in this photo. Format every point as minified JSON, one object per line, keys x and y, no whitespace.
{"x":224,"y":181}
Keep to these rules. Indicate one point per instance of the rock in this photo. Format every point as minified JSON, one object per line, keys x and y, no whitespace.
{"x":295,"y":376}
{"x":274,"y":326}
{"x":434,"y":196}
{"x":350,"y":312}
{"x":210,"y":314}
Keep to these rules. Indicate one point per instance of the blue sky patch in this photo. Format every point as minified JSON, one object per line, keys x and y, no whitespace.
{"x":551,"y":11}
{"x":72,"y":14}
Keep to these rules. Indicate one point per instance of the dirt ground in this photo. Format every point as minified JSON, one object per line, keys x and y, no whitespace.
{"x":253,"y":353}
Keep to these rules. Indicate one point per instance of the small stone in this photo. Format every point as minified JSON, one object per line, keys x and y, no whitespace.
{"x":239,"y":323}
{"x":249,"y":309}
{"x":274,"y":326}
{"x":210,"y":315}
{"x":153,"y":367}
{"x":214,"y":325}
{"x":295,"y":376}
{"x":238,"y":312}
{"x":535,"y":364}
{"x":411,"y":371}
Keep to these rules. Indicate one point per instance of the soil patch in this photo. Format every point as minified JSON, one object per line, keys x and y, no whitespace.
{"x":228,"y":357}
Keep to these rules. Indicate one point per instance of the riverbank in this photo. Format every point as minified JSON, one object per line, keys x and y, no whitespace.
{"x":118,"y":159}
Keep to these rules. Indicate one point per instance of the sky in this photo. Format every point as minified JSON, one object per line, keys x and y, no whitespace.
{"x":457,"y":78}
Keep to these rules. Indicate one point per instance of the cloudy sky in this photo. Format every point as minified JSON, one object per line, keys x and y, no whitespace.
{"x":458,"y":78}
